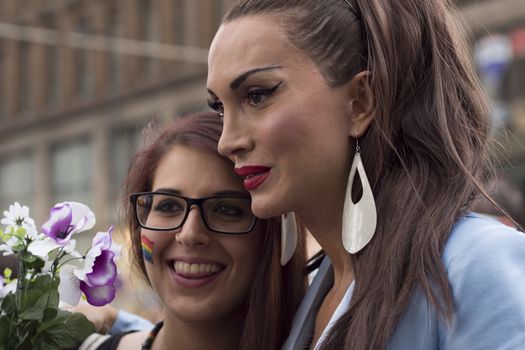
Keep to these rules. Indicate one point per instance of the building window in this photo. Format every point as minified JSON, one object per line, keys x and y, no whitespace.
{"x":149,"y":32}
{"x":16,"y":180}
{"x":54,"y":82}
{"x":125,"y":142}
{"x":2,"y":70}
{"x":116,"y":29}
{"x":71,"y":169}
{"x":53,"y":68}
{"x":24,"y":92}
{"x":84,"y":76}
{"x":179,"y":21}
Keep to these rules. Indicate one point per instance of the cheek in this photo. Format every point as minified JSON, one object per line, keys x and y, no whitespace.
{"x":246,"y":255}
{"x":147,"y":248}
{"x":283,"y":130}
{"x":152,"y":243}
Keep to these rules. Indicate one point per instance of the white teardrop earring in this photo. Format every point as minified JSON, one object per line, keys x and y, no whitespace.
{"x":359,"y":219}
{"x":288,"y":237}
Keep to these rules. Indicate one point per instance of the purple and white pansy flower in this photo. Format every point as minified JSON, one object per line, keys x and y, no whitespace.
{"x":95,"y":277}
{"x":66,"y":219}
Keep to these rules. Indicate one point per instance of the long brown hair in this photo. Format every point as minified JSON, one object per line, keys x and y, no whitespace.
{"x":276,"y":290}
{"x":426,"y":152}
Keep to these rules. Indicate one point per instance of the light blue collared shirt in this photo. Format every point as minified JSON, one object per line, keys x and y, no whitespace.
{"x":485,"y":264}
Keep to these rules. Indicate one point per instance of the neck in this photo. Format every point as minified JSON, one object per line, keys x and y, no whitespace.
{"x":326,"y":227}
{"x":177,"y":334}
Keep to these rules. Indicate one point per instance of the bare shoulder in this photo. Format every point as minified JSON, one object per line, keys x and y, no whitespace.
{"x":132,"y":340}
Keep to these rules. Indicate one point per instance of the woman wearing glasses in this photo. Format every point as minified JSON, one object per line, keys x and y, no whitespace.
{"x":214,"y":266}
{"x":314,"y":93}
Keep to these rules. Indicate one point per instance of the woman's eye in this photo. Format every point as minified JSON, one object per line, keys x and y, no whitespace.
{"x":168,"y":207}
{"x":228,"y":210}
{"x":258,"y":96}
{"x":216,"y":105}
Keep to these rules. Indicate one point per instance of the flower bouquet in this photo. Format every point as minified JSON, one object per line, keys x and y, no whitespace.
{"x":51,"y":270}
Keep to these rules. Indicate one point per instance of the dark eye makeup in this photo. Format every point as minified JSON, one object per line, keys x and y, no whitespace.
{"x":256,"y":96}
{"x":253,"y":97}
{"x":216,"y":105}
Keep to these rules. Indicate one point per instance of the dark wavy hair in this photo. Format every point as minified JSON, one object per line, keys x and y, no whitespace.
{"x":276,"y":291}
{"x":427,"y":149}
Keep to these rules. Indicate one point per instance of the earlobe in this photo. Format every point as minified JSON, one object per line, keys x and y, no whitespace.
{"x":361,"y":104}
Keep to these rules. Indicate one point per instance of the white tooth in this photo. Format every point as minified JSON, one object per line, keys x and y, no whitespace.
{"x":184,"y":267}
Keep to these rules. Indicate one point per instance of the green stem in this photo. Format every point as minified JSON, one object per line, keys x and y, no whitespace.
{"x":20,"y":275}
{"x":53,"y":272}
{"x":68,"y":260}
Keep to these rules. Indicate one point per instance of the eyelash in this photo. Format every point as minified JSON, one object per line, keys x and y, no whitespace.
{"x":261,"y":93}
{"x":217,"y":105}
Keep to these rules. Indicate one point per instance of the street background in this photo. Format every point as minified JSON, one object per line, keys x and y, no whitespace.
{"x":79,"y":80}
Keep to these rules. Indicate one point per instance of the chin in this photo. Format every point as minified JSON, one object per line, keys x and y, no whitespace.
{"x":264,"y":210}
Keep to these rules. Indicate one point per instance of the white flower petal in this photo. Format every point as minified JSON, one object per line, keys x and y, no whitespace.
{"x":89,"y":262}
{"x":116,"y":248}
{"x":48,"y":264}
{"x":6,"y":249}
{"x":32,"y":233}
{"x":69,"y":288}
{"x":6,"y":221}
{"x":69,"y":248}
{"x":10,"y":287}
{"x":82,"y":217}
{"x":43,"y":247}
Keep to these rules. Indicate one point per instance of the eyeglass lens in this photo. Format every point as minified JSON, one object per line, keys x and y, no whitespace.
{"x":223,"y":214}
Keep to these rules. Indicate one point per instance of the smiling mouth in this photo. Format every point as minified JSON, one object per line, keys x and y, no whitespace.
{"x":196,"y":271}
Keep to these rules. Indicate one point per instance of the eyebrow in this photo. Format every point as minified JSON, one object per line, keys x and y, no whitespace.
{"x":241,"y":78}
{"x":218,"y":193}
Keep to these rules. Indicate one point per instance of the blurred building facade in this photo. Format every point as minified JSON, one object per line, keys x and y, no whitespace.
{"x":497,"y":29}
{"x":71,"y":117}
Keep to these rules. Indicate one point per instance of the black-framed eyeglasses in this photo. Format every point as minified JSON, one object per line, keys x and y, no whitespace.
{"x":164,"y":211}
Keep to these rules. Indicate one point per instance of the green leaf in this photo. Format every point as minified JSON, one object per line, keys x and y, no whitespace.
{"x":65,"y":331}
{"x":36,"y":301}
{"x":6,"y":327}
{"x":9,"y":304}
{"x":27,"y":256}
{"x":20,"y":232}
{"x":37,"y":264}
{"x":49,"y":314}
{"x":33,"y":305}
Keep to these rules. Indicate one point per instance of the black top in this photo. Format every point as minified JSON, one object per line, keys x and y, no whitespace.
{"x":112,"y":342}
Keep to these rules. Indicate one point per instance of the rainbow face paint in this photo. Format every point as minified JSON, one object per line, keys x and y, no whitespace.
{"x":147,"y":249}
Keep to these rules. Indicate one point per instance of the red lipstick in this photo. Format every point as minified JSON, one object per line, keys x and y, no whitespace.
{"x":254,"y":176}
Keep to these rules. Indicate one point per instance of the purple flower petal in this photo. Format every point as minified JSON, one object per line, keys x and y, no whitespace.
{"x":98,"y":296}
{"x":103,"y":239}
{"x":104,"y":270}
{"x":58,"y":227}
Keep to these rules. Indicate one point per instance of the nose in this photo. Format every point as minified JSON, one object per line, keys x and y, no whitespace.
{"x":235,"y":138}
{"x":193,"y":232}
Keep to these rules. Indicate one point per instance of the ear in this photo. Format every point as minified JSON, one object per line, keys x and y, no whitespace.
{"x":361,"y":104}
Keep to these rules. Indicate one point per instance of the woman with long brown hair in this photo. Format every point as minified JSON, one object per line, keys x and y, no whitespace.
{"x":213,"y":265}
{"x":365,"y":119}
